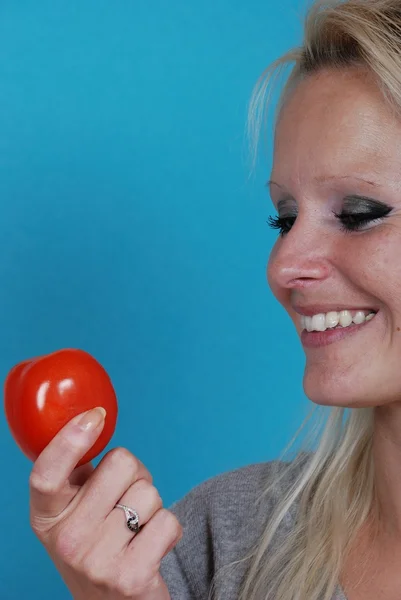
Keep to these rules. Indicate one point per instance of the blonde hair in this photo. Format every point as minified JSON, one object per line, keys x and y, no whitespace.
{"x":334,"y":493}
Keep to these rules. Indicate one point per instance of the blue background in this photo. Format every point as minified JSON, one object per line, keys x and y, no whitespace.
{"x":132,"y":227}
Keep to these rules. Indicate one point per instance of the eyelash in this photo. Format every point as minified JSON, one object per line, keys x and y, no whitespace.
{"x":355,"y":221}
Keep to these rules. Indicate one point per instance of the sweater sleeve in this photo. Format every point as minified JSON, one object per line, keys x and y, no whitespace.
{"x":188,"y":568}
{"x":221,"y":520}
{"x":173,"y":573}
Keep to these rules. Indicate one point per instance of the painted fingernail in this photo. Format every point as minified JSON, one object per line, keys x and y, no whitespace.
{"x":92,"y":419}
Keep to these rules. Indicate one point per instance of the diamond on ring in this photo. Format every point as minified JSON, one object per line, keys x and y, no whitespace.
{"x":131,"y":516}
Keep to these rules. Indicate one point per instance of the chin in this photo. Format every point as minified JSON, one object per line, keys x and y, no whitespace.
{"x":340,"y":390}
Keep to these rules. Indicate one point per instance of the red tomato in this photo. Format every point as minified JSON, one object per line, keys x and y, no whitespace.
{"x":42,"y":394}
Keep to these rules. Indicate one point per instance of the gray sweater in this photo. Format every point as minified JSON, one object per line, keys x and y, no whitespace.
{"x":221,"y":522}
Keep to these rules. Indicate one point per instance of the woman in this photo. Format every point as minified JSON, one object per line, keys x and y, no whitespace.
{"x":326,"y":525}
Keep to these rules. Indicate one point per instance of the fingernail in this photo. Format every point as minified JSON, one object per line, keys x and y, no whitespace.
{"x":92,"y":419}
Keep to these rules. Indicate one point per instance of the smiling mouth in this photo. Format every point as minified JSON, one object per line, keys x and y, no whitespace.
{"x":336,"y":320}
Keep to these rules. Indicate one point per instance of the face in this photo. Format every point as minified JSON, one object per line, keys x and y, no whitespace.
{"x":337,"y":195}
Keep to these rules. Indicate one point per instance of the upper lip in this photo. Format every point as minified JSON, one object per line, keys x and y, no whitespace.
{"x":315,"y":309}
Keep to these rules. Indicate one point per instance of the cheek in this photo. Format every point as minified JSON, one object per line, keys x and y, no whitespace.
{"x":381,"y":251}
{"x":372,"y":263}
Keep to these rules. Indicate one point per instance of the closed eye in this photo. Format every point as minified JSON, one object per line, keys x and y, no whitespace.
{"x":357,"y":221}
{"x":350,"y":221}
{"x":283,"y":224}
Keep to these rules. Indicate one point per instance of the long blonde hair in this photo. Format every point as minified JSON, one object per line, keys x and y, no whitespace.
{"x":334,"y":493}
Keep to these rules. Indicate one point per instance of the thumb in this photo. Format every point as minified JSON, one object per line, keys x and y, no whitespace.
{"x":53,"y":483}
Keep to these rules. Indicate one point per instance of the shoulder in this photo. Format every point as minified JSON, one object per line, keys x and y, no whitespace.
{"x":222,"y":519}
{"x":241,"y":487}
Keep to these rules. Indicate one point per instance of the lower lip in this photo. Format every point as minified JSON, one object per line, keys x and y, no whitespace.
{"x":317,"y":339}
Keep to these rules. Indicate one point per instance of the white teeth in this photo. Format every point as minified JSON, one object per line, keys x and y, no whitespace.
{"x":345,"y":318}
{"x":359,"y":317}
{"x":308,"y":324}
{"x":319,"y":322}
{"x":332,"y":319}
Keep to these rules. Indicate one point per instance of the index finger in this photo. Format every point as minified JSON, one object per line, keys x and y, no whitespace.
{"x":49,"y":486}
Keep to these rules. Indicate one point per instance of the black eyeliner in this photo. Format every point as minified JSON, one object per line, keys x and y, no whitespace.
{"x":363,"y":211}
{"x":357,"y":211}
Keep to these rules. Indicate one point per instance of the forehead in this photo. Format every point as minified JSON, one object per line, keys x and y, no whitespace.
{"x":335,"y":123}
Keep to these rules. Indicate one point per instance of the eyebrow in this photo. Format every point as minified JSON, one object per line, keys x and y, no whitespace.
{"x":325,"y":178}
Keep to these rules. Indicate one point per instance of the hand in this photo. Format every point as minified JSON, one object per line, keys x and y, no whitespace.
{"x":73,"y":514}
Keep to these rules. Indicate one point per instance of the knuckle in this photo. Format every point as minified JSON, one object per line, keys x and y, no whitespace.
{"x":68,"y":545}
{"x":154,"y":496}
{"x":124,"y":587}
{"x":150,"y":492}
{"x":155,"y":582}
{"x":170,"y":523}
{"x":144,"y":581}
{"x":41,"y":484}
{"x":96,"y":573}
{"x":121,"y":457}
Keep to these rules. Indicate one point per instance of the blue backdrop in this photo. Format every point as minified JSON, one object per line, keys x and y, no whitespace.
{"x":131,"y":228}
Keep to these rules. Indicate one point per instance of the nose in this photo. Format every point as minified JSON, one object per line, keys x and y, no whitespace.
{"x":300,"y":260}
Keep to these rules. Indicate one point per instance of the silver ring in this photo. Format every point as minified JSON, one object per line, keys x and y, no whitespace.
{"x":131,"y":516}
